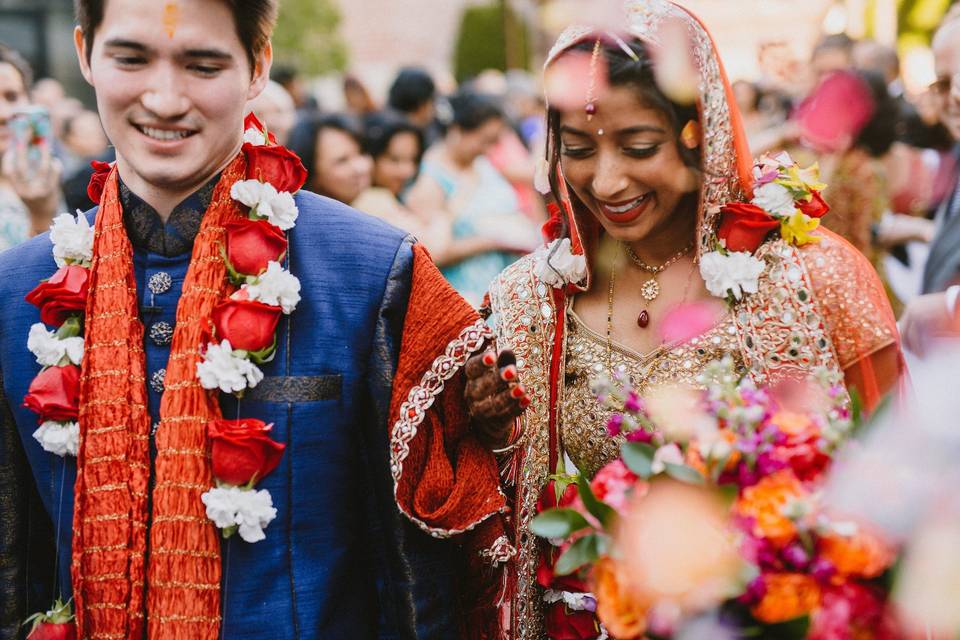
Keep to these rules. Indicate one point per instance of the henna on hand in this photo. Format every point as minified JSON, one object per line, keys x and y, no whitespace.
{"x":494,"y":396}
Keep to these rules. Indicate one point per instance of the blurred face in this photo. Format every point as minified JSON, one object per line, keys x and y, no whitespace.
{"x":946,"y":51}
{"x":397,"y":166}
{"x":86,"y":137}
{"x":13,"y":95}
{"x":830,"y":59}
{"x":171,"y":98}
{"x":470,"y":145}
{"x":630,"y":177}
{"x":343,"y":172}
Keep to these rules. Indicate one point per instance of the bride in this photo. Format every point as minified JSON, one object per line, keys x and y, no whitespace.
{"x":653,"y":214}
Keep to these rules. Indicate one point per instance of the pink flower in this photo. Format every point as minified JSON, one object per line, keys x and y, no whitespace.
{"x":613,"y":483}
{"x":686,"y":321}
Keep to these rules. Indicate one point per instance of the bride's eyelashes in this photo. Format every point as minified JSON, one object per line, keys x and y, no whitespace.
{"x":634,"y":152}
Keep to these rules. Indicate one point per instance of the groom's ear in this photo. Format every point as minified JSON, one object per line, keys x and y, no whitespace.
{"x":261,"y":71}
{"x":83,"y":53}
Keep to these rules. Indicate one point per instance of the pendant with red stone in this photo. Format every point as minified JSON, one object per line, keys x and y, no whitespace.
{"x":643,"y":319}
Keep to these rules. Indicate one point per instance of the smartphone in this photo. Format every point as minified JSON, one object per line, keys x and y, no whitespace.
{"x":31,"y":135}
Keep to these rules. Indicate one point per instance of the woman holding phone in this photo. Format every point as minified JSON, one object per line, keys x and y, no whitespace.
{"x":30,"y":177}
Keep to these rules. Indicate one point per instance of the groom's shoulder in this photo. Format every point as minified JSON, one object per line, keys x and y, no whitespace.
{"x":325,"y":222}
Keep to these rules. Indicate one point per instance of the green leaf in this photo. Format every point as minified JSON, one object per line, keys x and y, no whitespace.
{"x":70,"y":328}
{"x":638,"y":457}
{"x":264,"y":355}
{"x":683,"y":473}
{"x":599,"y":510}
{"x":558,"y":523}
{"x":583,"y":551}
{"x":795,"y":629}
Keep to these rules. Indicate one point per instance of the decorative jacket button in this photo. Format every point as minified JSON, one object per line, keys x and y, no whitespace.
{"x":156,"y":380}
{"x":161,"y":333}
{"x":160,"y":282}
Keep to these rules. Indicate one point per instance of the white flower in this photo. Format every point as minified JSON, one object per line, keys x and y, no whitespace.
{"x":563,"y":267}
{"x":667,"y":454}
{"x":276,"y":286}
{"x":541,"y":177}
{"x":278,"y":207}
{"x":736,"y":273}
{"x":575,"y":601}
{"x":49,"y":349}
{"x":59,"y":438}
{"x":249,"y":510}
{"x":72,"y":239}
{"x":775,"y":199}
{"x":254,"y":137}
{"x":223,"y":370}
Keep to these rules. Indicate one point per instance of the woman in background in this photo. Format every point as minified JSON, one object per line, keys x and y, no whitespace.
{"x":458,"y":185}
{"x":331,"y":149}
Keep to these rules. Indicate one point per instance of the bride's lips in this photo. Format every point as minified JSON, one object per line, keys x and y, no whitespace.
{"x":626,"y":211}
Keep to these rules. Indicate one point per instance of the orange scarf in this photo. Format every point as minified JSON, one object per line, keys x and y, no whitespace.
{"x":113,"y":590}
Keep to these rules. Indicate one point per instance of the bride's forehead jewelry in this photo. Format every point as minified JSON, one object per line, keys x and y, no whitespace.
{"x":591,"y":106}
{"x":599,"y":132}
{"x":626,"y":48}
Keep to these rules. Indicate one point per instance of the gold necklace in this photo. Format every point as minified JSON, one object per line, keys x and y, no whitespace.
{"x":651,"y":288}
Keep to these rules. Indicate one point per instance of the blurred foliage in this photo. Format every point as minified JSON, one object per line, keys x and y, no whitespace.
{"x":483,"y":40}
{"x":307,"y":38}
{"x":917,"y":20}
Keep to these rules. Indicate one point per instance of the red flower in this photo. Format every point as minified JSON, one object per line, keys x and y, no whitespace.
{"x":65,"y":293}
{"x":242,"y":450}
{"x":248,"y":325}
{"x":55,"y":394}
{"x":97,"y":181}
{"x":253,"y":122}
{"x":816,"y":208}
{"x":744,"y":226}
{"x":54,"y":631}
{"x":550,"y":554}
{"x":850,"y":611}
{"x":251,"y":244}
{"x":277,"y":165}
{"x":565,"y":624}
{"x":554,"y":225}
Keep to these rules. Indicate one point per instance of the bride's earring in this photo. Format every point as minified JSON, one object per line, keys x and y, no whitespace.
{"x":690,"y":136}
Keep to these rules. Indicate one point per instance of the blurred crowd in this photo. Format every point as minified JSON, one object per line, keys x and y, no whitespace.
{"x":457,"y":169}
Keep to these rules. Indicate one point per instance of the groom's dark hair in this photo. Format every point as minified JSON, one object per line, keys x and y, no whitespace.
{"x":253,"y":19}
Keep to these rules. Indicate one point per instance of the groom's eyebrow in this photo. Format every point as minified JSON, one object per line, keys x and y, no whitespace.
{"x":121,"y":43}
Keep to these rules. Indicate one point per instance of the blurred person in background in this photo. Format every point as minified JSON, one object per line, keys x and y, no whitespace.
{"x":288,"y":76}
{"x":331,"y":149}
{"x":458,"y":184}
{"x":935,"y":312}
{"x":356,"y":97}
{"x":83,"y":140}
{"x":833,"y":52}
{"x":413,"y":93}
{"x":276,"y":110}
{"x":395,"y":145}
{"x":29,"y":193}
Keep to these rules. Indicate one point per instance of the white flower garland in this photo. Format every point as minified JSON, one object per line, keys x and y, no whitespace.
{"x":72,"y":238}
{"x":731,"y":273}
{"x":226,"y":369}
{"x":248,"y":511}
{"x":59,"y":438}
{"x":51,"y":350}
{"x":561,"y":268}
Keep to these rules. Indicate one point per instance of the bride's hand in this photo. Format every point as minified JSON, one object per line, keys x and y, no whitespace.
{"x":494,"y":396}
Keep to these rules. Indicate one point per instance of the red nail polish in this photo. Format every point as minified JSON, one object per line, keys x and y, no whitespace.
{"x":518,"y":392}
{"x":489,"y":359}
{"x":509,"y":373}
{"x":524,"y":402}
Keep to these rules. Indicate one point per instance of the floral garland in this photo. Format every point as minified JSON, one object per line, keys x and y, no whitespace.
{"x":786,"y":199}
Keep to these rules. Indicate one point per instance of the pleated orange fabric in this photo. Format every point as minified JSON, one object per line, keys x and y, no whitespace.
{"x":116,"y":595}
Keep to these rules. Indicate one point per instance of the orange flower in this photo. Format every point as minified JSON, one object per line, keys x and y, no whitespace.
{"x":792,"y":424}
{"x":764,"y":503}
{"x":788,"y":596}
{"x":864,"y":554}
{"x":622,"y":613}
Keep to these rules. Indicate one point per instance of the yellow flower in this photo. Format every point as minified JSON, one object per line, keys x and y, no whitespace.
{"x":796,"y":229}
{"x":803,"y":180}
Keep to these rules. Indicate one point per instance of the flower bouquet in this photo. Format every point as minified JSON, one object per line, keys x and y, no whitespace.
{"x":710,"y":523}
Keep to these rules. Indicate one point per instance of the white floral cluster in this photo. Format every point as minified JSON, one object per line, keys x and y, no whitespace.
{"x":557,"y":265}
{"x":247,"y":511}
{"x":255,"y":137}
{"x":277,"y":287}
{"x":228,"y":370}
{"x":733,"y":274}
{"x":59,"y":438}
{"x":72,"y":238}
{"x":278,"y":207}
{"x":50,"y":350}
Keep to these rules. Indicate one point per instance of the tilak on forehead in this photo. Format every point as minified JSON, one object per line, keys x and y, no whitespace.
{"x":171,"y":18}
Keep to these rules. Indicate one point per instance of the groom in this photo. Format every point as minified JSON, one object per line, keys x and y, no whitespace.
{"x":371,"y":447}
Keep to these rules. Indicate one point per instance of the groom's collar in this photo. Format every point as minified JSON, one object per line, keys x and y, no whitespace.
{"x":147,"y":230}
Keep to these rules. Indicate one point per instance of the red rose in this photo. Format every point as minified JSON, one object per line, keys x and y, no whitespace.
{"x":253,"y":122}
{"x":99,"y":178}
{"x":816,"y":208}
{"x":550,"y":554}
{"x":242,"y":450}
{"x":248,"y":325}
{"x":65,"y":293}
{"x":277,"y":165}
{"x":55,"y":394}
{"x":251,"y":244}
{"x":564,"y":624}
{"x":54,"y":631}
{"x":744,"y":226}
